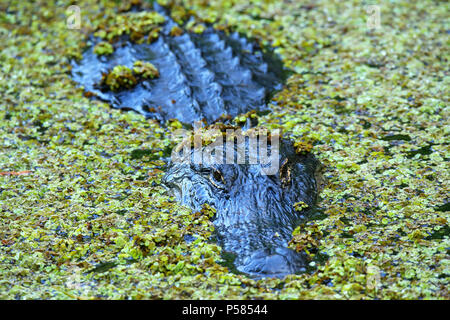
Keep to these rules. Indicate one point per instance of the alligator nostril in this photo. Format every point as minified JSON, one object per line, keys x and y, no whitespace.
{"x":276,"y":264}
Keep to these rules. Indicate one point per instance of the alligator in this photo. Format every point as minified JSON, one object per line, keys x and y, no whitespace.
{"x":255,"y":213}
{"x":203,"y":77}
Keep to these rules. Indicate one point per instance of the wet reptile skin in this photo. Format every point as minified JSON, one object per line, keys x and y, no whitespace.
{"x":202,"y":76}
{"x":255,"y":212}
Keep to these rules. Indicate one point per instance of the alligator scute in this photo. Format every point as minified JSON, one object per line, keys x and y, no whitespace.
{"x":202,"y":76}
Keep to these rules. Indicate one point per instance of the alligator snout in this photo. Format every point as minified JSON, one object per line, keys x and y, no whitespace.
{"x":255,"y":213}
{"x":274,"y":263}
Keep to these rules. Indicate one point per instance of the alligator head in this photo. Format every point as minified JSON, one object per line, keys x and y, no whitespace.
{"x":255,"y":213}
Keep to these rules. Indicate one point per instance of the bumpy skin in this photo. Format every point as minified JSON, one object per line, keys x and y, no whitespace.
{"x":202,"y":76}
{"x":255,"y":212}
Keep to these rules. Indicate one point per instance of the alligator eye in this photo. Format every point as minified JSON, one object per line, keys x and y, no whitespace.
{"x":217,"y":179}
{"x":285,"y":174}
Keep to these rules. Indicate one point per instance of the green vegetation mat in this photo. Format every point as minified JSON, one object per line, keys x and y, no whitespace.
{"x":83,"y":215}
